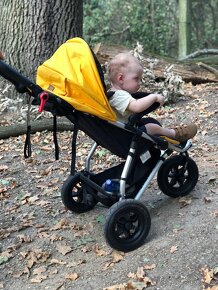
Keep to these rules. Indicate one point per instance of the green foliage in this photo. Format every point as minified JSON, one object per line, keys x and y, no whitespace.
{"x":153,"y":23}
{"x":204,"y":23}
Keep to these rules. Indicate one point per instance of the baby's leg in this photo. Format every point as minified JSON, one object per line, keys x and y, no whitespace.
{"x":155,"y":129}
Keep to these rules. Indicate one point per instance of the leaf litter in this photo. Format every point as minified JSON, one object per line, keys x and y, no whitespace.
{"x":51,"y":248}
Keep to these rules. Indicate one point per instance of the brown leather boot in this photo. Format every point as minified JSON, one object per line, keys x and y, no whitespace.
{"x":185,"y":132}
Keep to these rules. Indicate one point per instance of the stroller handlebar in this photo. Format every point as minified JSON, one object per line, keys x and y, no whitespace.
{"x":21,"y":83}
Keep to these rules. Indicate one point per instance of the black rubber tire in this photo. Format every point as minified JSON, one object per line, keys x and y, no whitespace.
{"x":177,"y":176}
{"x":72,"y":195}
{"x":127,"y":225}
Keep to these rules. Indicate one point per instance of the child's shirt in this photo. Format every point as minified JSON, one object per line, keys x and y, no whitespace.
{"x":120,"y":102}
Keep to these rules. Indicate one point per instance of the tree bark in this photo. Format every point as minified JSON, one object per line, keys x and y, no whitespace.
{"x":32,"y":30}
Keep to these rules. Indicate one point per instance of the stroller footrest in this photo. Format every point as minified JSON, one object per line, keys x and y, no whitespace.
{"x":172,"y":141}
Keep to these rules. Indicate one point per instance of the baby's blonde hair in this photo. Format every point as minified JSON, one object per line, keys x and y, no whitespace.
{"x":120,"y":63}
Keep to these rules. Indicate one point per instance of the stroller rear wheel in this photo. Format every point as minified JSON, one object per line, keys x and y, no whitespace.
{"x":75,"y":196}
{"x":127,"y":225}
{"x":177,"y":176}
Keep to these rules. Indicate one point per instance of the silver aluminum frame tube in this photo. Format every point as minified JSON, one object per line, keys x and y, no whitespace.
{"x":152,"y":174}
{"x":148,"y":180}
{"x":91,"y":153}
{"x":124,"y":173}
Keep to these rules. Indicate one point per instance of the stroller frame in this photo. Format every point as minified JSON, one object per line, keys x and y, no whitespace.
{"x":166,"y":153}
{"x":127,"y":222}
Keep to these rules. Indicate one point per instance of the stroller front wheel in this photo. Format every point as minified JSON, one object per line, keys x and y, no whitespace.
{"x":127,"y":225}
{"x":177,"y":176}
{"x":75,"y":197}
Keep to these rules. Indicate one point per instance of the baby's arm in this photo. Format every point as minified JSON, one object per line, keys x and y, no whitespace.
{"x":142,"y":104}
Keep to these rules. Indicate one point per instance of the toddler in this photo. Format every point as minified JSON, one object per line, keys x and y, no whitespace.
{"x":125,"y":72}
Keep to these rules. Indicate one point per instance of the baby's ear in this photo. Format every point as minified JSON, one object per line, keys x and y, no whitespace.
{"x":1,"y":55}
{"x":120,"y":77}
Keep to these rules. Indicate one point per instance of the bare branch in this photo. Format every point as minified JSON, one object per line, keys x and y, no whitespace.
{"x":115,"y":32}
{"x":200,"y":52}
{"x":209,"y":68}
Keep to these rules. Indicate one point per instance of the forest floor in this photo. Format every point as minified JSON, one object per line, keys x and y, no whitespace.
{"x":44,"y":246}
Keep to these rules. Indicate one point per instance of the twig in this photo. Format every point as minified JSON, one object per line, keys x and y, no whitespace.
{"x":115,"y":32}
{"x":209,"y":68}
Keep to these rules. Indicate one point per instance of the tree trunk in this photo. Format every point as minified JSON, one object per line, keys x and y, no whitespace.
{"x":32,"y":30}
{"x":184,"y":27}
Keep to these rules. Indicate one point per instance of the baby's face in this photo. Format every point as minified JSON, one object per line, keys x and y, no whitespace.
{"x":132,"y":78}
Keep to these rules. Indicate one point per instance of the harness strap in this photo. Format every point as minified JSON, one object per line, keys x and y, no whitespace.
{"x":74,"y":137}
{"x":55,"y":137}
{"x":27,"y":145}
{"x":109,"y":94}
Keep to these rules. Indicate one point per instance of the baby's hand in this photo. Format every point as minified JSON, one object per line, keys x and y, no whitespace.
{"x":160,"y":99}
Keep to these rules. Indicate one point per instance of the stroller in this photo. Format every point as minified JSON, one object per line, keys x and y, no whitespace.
{"x":81,"y":97}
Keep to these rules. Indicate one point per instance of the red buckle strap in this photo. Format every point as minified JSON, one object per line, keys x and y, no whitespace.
{"x":43,"y":99}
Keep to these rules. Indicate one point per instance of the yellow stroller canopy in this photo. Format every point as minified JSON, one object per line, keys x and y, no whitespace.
{"x":71,"y":73}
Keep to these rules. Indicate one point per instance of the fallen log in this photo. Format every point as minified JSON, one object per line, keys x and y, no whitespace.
{"x":189,"y":72}
{"x":36,"y":126}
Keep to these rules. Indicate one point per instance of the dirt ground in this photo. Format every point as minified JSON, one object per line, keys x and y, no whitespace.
{"x":43,"y":246}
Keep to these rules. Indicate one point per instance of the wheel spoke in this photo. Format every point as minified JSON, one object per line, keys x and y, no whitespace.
{"x":133,"y":217}
{"x":126,"y":225}
{"x":122,"y":220}
{"x":172,"y":181}
{"x":121,"y":230}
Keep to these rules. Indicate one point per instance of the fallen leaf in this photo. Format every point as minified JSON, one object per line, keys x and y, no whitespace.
{"x":140,"y":273}
{"x":207,"y":275}
{"x":72,"y":276}
{"x":32,"y":199}
{"x":39,"y":271}
{"x":38,"y":279}
{"x":63,"y":249}
{"x":35,"y":257}
{"x":24,"y":239}
{"x":117,"y":256}
{"x":184,"y":201}
{"x":215,"y":287}
{"x":117,"y":287}
{"x":57,"y":262}
{"x":76,"y":263}
{"x":99,"y":252}
{"x":86,"y":249}
{"x":60,"y":225}
{"x":3,"y":167}
{"x":173,"y":249}
{"x":131,"y":275}
{"x":107,"y":266}
{"x":207,"y":199}
{"x":149,"y":267}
